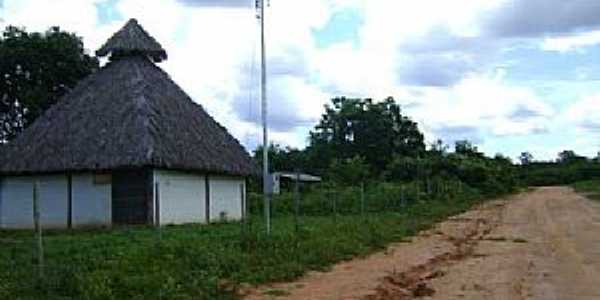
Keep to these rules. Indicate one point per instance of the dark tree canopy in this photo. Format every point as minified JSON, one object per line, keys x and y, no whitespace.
{"x":281,"y":159}
{"x":36,"y":69}
{"x":466,"y":148}
{"x":569,"y":156}
{"x":375,"y":131}
{"x":525,"y":158}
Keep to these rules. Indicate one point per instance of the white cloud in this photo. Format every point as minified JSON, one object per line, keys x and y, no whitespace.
{"x":436,"y":57}
{"x":572,"y":42}
{"x":489,"y":104}
{"x":78,"y":16}
{"x":585,"y":113}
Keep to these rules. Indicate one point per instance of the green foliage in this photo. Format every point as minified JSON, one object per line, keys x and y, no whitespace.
{"x":570,"y":157}
{"x":591,"y":188}
{"x":349,"y":171}
{"x":358,"y":139}
{"x":281,"y":159}
{"x":361,"y":127}
{"x":490,"y":176}
{"x":525,"y":158}
{"x":559,"y":173}
{"x":36,"y":70}
{"x":466,"y":148}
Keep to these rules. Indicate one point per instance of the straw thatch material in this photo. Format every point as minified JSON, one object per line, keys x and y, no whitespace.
{"x":129,"y":114}
{"x":133,"y":39}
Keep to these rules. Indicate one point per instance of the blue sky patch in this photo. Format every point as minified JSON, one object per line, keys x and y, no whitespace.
{"x":343,"y":26}
{"x":535,"y":64}
{"x":107,"y":11}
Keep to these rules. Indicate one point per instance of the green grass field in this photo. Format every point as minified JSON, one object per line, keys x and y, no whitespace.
{"x":201,"y":261}
{"x":590,"y":188}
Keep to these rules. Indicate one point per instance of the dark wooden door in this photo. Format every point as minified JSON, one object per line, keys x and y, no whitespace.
{"x":131,"y":196}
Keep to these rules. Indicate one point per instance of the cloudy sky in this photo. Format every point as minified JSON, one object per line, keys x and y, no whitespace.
{"x":509,"y":75}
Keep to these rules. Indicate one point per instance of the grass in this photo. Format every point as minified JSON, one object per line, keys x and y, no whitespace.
{"x":201,"y":261}
{"x":590,"y":188}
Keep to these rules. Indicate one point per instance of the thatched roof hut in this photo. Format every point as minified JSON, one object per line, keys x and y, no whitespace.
{"x":128,"y":114}
{"x":125,"y":146}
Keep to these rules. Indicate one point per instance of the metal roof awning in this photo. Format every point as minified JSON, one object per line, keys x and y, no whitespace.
{"x":293,"y":176}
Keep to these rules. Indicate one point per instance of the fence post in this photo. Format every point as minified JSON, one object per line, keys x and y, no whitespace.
{"x":157,"y":209}
{"x":244,"y":212}
{"x":334,"y":197}
{"x":362,"y":198}
{"x":428,"y":182}
{"x":38,"y":229}
{"x":402,"y":200}
{"x":297,"y":201}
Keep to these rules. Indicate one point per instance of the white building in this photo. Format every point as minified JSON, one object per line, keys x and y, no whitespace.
{"x":125,"y":146}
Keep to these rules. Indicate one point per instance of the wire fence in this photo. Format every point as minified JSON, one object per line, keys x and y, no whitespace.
{"x":313,"y":225}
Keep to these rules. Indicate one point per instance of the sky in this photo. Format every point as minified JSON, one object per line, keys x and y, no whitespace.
{"x":508,"y":75}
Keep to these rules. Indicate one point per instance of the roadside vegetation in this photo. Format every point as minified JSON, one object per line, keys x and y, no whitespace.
{"x":568,"y":168}
{"x":589,"y":188}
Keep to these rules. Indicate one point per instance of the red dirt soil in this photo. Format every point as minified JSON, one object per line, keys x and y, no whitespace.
{"x":543,"y":244}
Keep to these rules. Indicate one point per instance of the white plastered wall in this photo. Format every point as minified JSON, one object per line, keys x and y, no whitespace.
{"x":181,"y":197}
{"x":226,"y":201}
{"x":91,"y":202}
{"x":17,"y":201}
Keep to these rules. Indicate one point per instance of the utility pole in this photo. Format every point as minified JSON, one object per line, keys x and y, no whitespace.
{"x":263,"y":102}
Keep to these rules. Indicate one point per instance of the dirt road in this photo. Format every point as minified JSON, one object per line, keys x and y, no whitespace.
{"x":544,"y":244}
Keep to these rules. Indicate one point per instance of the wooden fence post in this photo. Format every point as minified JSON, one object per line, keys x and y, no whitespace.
{"x":244,"y":212}
{"x":157,"y":209}
{"x":297,"y":201}
{"x":402,"y":200}
{"x":362,"y":198}
{"x":334,"y":197}
{"x":38,"y":229}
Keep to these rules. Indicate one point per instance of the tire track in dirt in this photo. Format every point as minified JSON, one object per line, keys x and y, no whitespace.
{"x":414,"y":283}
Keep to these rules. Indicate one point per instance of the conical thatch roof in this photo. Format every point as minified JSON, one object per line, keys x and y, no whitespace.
{"x":133,"y":39}
{"x":128,"y":114}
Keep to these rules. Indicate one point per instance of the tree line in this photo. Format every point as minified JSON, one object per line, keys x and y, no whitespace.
{"x":359,"y":140}
{"x":568,"y":168}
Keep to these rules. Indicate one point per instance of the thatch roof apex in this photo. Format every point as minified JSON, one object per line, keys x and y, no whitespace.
{"x":132,"y":39}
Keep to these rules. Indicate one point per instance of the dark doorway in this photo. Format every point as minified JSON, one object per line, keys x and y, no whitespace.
{"x":131,"y":197}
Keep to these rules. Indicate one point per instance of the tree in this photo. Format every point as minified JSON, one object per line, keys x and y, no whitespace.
{"x":361,"y":128}
{"x":466,"y":148}
{"x":37,"y":69}
{"x":349,"y":171}
{"x":525,"y":158}
{"x":438,"y":148}
{"x":569,"y":156}
{"x":282,"y":159}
